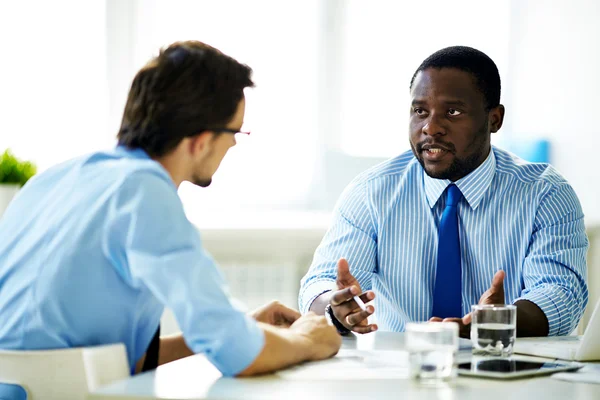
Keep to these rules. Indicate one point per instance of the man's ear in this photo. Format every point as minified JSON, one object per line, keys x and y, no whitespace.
{"x":496,"y":118}
{"x":201,"y":143}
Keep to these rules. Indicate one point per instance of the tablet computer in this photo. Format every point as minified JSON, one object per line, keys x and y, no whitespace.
{"x":507,"y":368}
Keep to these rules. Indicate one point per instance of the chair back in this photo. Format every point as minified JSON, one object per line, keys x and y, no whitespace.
{"x":65,"y":374}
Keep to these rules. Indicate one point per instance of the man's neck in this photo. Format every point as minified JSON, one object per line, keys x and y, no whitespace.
{"x":173,"y":165}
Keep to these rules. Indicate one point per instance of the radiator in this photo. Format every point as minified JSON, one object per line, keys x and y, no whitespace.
{"x":253,"y":284}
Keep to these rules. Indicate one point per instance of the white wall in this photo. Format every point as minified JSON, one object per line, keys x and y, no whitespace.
{"x":53,"y":96}
{"x":553,"y":87}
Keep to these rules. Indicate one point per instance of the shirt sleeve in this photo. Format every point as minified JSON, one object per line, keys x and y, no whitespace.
{"x":352,"y":235}
{"x":554,"y":270}
{"x":164,"y":253}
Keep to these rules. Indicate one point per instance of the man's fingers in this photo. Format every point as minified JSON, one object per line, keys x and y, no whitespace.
{"x":364,"y":322}
{"x":364,"y":329}
{"x":464,"y":324}
{"x":467,"y":319}
{"x":345,"y":303}
{"x":358,"y":317}
{"x":342,"y":296}
{"x":457,"y":320}
{"x":367,"y":296}
{"x":289,"y":315}
{"x":463,"y":329}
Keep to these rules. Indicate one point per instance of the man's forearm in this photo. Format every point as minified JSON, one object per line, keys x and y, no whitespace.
{"x":531,"y":320}
{"x":282,"y":348}
{"x":171,"y":348}
{"x":318,"y":305}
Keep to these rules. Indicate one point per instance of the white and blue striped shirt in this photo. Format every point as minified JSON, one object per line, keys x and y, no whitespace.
{"x":523,"y":218}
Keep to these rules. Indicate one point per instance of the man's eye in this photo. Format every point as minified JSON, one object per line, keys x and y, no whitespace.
{"x":419,"y":111}
{"x":454,"y":112}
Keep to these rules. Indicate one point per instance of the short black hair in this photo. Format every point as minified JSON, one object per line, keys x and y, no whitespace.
{"x":189,"y":87}
{"x":470,"y":60}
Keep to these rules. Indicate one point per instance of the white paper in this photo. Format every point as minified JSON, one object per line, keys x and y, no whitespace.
{"x":589,"y":374}
{"x":353,"y":365}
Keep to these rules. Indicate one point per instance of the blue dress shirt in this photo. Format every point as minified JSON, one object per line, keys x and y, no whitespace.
{"x":92,"y":250}
{"x":521,"y":217}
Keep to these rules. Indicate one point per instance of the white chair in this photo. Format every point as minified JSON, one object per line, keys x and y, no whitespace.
{"x":65,"y":374}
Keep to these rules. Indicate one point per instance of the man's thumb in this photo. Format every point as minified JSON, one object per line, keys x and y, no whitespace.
{"x":498,"y":281}
{"x":497,"y":289}
{"x":344,"y":277}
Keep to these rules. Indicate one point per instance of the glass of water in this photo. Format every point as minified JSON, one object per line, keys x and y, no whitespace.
{"x":432,"y":348}
{"x":493,"y":329}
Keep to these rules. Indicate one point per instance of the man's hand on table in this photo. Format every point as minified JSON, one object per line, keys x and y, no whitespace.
{"x":494,"y":295}
{"x":275,"y":313}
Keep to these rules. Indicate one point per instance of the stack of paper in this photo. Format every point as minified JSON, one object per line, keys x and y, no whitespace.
{"x":589,"y":374}
{"x":353,"y":365}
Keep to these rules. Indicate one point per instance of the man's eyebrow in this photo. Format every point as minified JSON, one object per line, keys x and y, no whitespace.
{"x":459,"y":103}
{"x":449,"y":102}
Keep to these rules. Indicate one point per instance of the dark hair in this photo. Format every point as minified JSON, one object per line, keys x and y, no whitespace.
{"x":470,"y":60}
{"x":190,"y":86}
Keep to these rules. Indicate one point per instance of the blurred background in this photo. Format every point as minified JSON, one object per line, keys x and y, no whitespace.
{"x":331,"y":99}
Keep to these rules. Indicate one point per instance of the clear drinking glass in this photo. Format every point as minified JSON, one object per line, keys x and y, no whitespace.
{"x":493,"y":329}
{"x":432,"y":348}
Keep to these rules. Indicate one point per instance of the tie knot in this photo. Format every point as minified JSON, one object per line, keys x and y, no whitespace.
{"x":454,"y":196}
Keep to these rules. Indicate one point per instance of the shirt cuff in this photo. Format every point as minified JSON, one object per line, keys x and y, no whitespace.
{"x":314,"y":290}
{"x":556,"y":324}
{"x":239,"y":349}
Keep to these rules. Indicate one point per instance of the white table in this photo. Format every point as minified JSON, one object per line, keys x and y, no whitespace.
{"x":195,"y":378}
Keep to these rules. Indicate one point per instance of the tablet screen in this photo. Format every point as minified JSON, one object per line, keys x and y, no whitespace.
{"x":508,"y":366}
{"x":499,"y":365}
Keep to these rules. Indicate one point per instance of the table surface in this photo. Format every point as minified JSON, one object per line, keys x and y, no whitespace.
{"x":195,"y":378}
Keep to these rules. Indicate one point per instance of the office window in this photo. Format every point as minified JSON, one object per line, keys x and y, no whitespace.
{"x":332,"y":82}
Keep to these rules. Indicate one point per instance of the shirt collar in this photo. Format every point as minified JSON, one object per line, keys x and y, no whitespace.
{"x":472,"y":186}
{"x":133,"y":153}
{"x":140,"y":154}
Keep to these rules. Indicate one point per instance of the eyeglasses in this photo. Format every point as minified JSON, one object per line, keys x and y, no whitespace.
{"x":226,"y":130}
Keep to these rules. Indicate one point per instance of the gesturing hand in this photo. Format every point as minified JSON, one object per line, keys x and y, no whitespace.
{"x":494,"y":295}
{"x":343,"y":305}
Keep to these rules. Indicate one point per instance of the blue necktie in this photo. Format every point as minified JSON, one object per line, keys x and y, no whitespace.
{"x":447,"y":294}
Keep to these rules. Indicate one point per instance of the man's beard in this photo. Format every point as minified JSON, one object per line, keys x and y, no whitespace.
{"x":457,"y":170}
{"x":459,"y":167}
{"x":202,"y":182}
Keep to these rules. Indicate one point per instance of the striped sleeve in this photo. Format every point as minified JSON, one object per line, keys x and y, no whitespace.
{"x":554,"y":270}
{"x":352,"y":235}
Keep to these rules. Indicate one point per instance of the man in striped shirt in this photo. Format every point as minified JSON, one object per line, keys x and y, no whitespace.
{"x":520,"y":224}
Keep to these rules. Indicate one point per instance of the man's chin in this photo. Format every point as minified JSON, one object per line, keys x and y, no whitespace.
{"x":202,"y":182}
{"x":450,"y":172}
{"x":436,"y":171}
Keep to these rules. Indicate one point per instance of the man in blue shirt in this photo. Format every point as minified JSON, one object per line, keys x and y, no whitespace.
{"x":454,"y":222}
{"x":92,"y":250}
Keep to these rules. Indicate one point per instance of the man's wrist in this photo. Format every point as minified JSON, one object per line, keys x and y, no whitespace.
{"x":531,"y":320}
{"x":320,"y":302}
{"x":342,"y":330}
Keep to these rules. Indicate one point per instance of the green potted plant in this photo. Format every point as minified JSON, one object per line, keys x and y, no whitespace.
{"x":14,"y":173}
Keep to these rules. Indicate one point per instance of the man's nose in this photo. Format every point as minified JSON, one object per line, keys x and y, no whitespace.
{"x":434,"y":125}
